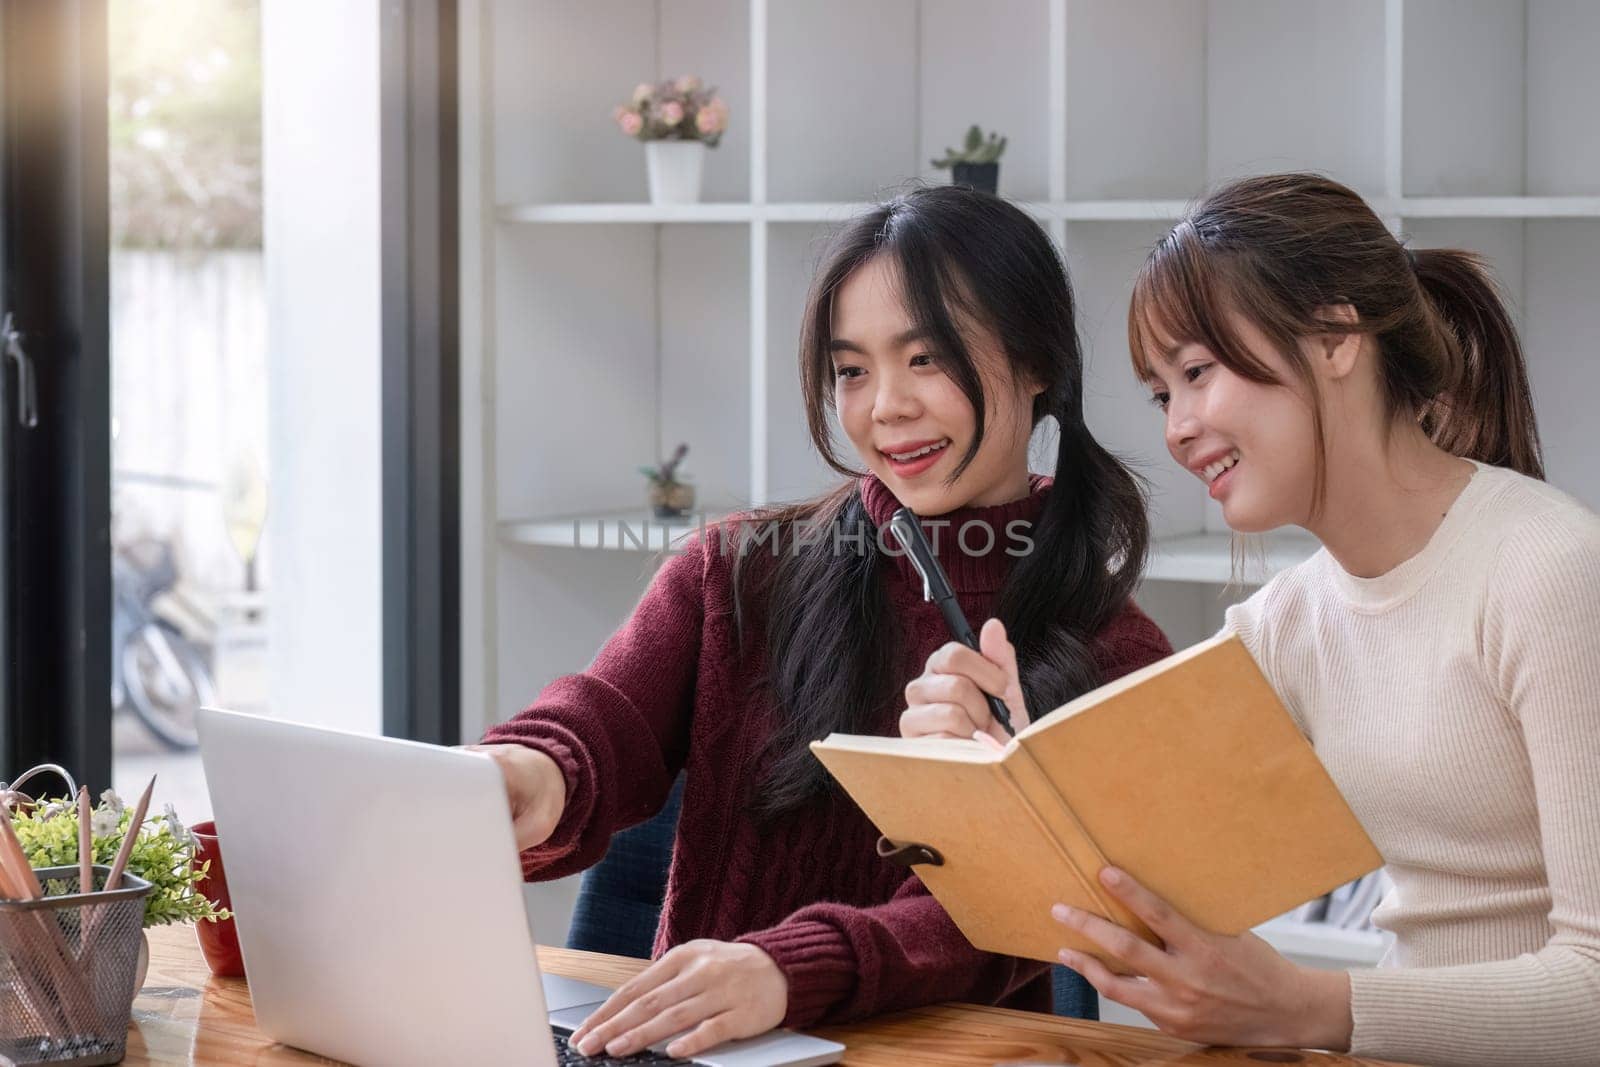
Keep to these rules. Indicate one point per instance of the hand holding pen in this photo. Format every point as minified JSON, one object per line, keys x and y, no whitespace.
{"x":971,"y":687}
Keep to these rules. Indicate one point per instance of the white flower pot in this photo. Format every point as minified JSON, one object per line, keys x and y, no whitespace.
{"x":141,"y":967}
{"x":675,"y":168}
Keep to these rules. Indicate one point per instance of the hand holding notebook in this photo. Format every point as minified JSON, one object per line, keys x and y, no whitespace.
{"x":1188,"y":774}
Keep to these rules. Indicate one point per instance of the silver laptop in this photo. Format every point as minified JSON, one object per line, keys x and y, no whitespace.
{"x":380,"y":904}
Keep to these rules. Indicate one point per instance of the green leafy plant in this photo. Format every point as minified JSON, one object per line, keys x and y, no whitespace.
{"x":666,"y":475}
{"x":163,"y":854}
{"x":976,"y":149}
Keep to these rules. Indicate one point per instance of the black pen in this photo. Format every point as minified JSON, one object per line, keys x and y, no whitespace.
{"x":936,"y":587}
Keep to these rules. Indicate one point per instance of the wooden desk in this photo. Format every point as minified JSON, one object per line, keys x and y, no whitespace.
{"x":186,"y":1016}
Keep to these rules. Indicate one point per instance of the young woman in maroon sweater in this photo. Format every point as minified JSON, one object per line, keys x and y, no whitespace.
{"x":939,"y":333}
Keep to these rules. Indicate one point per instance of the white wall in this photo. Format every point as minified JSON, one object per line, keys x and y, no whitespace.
{"x":320,"y":145}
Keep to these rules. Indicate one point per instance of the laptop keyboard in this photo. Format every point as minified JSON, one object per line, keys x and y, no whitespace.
{"x":567,"y":1056}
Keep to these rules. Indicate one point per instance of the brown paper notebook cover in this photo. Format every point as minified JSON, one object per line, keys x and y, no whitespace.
{"x":1189,"y":774}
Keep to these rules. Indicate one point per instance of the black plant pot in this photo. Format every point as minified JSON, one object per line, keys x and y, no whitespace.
{"x":984,"y":177}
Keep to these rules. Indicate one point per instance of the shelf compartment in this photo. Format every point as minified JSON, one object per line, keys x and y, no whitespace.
{"x":879,"y":103}
{"x":625,"y":212}
{"x":1560,"y":336}
{"x":794,"y":469}
{"x":632,"y":530}
{"x":848,"y":127}
{"x":959,"y":36}
{"x":1169,"y":210}
{"x":559,"y":68}
{"x":1115,"y":210}
{"x":1493,"y":207}
{"x":1295,"y":87}
{"x":1463,"y":97}
{"x":1207,"y":557}
{"x":1498,"y":98}
{"x":814,"y":211}
{"x":1563,"y":83}
{"x":615,"y":362}
{"x":1134,"y":114}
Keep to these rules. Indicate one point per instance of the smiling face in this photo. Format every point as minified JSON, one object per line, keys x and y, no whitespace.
{"x":1252,"y":443}
{"x":909,"y":421}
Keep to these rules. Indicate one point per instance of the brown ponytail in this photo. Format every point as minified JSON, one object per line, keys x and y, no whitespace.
{"x":1280,"y":248}
{"x":1486,"y":410}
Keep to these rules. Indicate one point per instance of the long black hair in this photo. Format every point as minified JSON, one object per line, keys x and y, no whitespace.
{"x":830,"y":639}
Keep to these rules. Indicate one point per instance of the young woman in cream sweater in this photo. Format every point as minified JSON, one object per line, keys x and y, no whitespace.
{"x":1441,"y":652}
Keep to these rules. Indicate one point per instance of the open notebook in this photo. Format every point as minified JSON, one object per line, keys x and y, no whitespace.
{"x":1189,"y":774}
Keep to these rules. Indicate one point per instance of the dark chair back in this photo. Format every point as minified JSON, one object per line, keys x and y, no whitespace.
{"x":1072,"y":995}
{"x":619,"y":898}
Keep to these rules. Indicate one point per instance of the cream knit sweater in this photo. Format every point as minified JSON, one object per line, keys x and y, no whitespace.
{"x":1456,"y":702}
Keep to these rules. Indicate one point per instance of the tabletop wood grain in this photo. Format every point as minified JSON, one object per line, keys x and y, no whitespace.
{"x":186,"y":1016}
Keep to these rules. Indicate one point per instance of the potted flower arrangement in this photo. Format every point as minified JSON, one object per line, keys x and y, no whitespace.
{"x":670,"y":497}
{"x":677,"y":120}
{"x":163,"y":855}
{"x":977,"y":163}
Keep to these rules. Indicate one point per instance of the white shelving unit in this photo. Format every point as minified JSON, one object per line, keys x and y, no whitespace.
{"x":635,"y":530}
{"x":599,"y":330}
{"x":1209,"y":558}
{"x":677,"y":323}
{"x":1414,"y":207}
{"x":1206,"y":558}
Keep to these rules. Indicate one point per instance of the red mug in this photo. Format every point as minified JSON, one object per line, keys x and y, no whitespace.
{"x":219,"y":941}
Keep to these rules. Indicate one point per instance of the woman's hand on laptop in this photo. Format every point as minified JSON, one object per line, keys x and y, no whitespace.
{"x":708,"y":991}
{"x":535,"y":787}
{"x":947,"y":698}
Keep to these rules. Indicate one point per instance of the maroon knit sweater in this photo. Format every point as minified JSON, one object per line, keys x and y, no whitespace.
{"x":853,"y":934}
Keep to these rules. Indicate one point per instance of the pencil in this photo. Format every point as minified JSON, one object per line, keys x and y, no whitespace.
{"x":23,"y":878}
{"x":64,"y":985}
{"x":38,"y":986}
{"x":85,"y":842}
{"x":8,"y":886}
{"x":114,"y":879}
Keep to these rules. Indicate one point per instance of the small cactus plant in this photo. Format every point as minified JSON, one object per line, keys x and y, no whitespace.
{"x":670,"y":496}
{"x":666,"y":474}
{"x":976,"y":149}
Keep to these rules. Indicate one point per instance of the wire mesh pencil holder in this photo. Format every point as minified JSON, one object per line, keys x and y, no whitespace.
{"x":67,"y":964}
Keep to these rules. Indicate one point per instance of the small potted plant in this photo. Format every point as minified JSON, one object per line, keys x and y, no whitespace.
{"x":677,"y":120}
{"x":977,"y":163}
{"x":163,"y":855}
{"x":670,"y":498}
